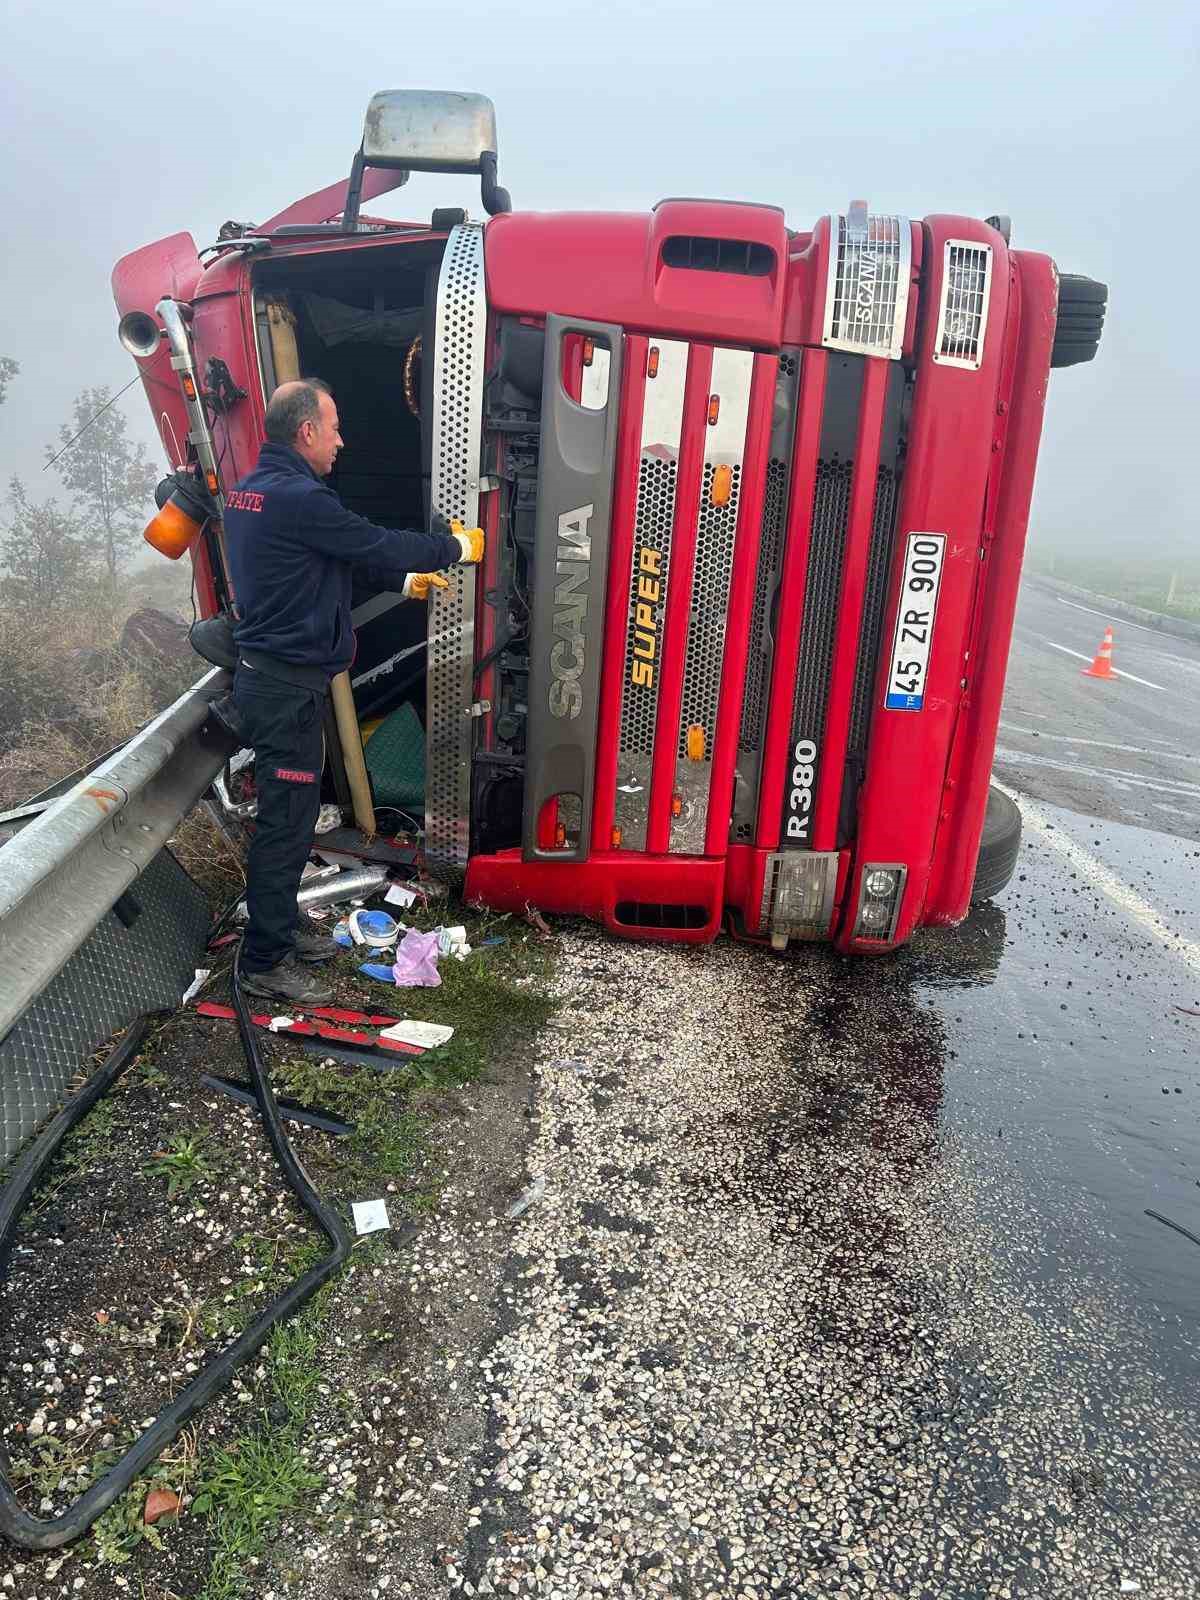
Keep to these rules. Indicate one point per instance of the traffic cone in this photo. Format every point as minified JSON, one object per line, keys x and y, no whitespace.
{"x":1102,"y":666}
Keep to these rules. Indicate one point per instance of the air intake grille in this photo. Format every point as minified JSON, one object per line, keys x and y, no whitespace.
{"x":866,"y":296}
{"x":962,"y":316}
{"x":770,"y":543}
{"x":831,"y":507}
{"x":740,"y":256}
{"x":710,"y":600}
{"x":653,"y":521}
{"x":883,"y":527}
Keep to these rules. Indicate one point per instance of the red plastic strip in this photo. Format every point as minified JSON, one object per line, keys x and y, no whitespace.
{"x":741,"y":599}
{"x":316,"y":1030}
{"x":679,"y":598}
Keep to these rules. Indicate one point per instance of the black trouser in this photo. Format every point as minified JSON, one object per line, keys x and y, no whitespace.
{"x":283,"y":724}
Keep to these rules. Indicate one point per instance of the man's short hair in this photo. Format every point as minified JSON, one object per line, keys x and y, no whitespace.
{"x":287,"y":410}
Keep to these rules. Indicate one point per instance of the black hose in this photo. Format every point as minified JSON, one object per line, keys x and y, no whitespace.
{"x":33,"y":1533}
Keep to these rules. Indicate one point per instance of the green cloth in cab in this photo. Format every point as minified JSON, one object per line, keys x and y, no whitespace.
{"x":395,"y":757}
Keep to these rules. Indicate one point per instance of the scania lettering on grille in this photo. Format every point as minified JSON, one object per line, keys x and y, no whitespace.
{"x":868,"y":268}
{"x":647,"y":593}
{"x":568,"y":653}
{"x":798,"y":819}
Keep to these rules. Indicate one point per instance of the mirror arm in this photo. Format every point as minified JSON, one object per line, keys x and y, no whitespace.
{"x":354,"y":193}
{"x":495,"y":199}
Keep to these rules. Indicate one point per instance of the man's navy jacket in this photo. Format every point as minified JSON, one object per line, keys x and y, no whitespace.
{"x":291,"y":546}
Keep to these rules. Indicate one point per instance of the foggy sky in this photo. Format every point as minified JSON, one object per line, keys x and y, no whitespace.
{"x":124,"y":122}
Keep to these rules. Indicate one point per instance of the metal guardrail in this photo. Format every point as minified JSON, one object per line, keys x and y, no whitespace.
{"x":65,"y":870}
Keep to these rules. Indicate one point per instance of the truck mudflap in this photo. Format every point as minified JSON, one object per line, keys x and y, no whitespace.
{"x":574,"y":513}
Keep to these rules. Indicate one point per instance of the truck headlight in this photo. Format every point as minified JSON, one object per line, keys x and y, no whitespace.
{"x":881,"y":889}
{"x":798,"y":893}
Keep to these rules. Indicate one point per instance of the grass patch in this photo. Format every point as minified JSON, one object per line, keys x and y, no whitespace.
{"x":492,"y":1000}
{"x":95,"y":1141}
{"x":246,"y":1489}
{"x":183,"y":1164}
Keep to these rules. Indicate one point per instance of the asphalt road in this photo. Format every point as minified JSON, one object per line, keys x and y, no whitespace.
{"x":1127,"y":749}
{"x":841,"y":1277}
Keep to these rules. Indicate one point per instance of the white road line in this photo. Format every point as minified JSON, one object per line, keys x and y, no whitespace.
{"x":1108,"y":617}
{"x":1099,"y":744}
{"x":1079,"y":656}
{"x":1119,"y":892}
{"x":1186,"y":791}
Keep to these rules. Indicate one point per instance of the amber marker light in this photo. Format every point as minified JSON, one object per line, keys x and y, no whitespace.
{"x":183,"y":511}
{"x":652,"y":362}
{"x":696,"y":742}
{"x":721,"y":490}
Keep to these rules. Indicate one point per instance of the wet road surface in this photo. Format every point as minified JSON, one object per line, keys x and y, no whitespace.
{"x":1128,"y":749}
{"x":842,"y":1280}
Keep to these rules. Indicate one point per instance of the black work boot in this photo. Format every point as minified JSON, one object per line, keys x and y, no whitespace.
{"x":311,"y":946}
{"x":288,"y":981}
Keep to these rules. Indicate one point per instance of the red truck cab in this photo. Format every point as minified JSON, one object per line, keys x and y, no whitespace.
{"x":755,"y":498}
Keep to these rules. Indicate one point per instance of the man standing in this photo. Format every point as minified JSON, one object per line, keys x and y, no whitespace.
{"x":292,"y":544}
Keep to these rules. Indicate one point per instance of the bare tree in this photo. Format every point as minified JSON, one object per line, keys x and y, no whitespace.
{"x":109,"y":477}
{"x":47,"y":561}
{"x":8,"y":371}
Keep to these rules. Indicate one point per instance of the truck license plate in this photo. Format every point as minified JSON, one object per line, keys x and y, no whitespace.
{"x":914,"y":622}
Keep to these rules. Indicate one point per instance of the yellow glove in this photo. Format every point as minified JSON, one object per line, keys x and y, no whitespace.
{"x":418,"y":584}
{"x":470,"y":540}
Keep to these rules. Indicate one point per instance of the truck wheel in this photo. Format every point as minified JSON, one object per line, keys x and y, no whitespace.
{"x":998,"y":847}
{"x":1081,"y":306}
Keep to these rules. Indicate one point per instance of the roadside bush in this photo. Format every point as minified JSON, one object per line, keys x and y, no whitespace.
{"x":68,"y":692}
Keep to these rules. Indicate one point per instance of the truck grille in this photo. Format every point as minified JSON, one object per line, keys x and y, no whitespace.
{"x":883,"y":528}
{"x":962,"y":313}
{"x":770,"y":543}
{"x":710,"y":596}
{"x":831,"y":506}
{"x":652,"y":531}
{"x":866,"y":301}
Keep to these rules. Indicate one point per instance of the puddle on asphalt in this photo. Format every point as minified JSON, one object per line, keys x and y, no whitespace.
{"x":1076,"y":1067}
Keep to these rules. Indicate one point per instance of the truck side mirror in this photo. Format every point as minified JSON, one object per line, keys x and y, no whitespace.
{"x":428,"y":130}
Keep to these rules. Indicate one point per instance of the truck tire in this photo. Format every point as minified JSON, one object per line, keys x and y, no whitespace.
{"x":998,"y":847}
{"x":1081,"y":306}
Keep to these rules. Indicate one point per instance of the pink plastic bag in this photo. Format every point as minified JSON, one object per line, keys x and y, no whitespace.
{"x":416,"y":961}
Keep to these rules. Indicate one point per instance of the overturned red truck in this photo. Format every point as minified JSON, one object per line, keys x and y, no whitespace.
{"x":755,"y":498}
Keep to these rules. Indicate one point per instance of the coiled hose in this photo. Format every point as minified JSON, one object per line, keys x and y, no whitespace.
{"x":35,"y":1533}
